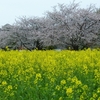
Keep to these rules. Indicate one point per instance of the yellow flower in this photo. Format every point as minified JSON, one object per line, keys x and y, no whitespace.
{"x":9,"y":87}
{"x":12,"y":94}
{"x":57,"y":87}
{"x":92,"y":98}
{"x":4,"y":83}
{"x":52,"y":80}
{"x":60,"y":98}
{"x":78,"y":82}
{"x":85,"y":87}
{"x":69,"y":90}
{"x":38,"y":75}
{"x":94,"y":95}
{"x":98,"y":90}
{"x":63,"y":82}
{"x":81,"y":97}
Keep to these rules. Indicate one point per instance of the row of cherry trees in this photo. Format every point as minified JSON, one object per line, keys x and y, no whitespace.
{"x":66,"y":26}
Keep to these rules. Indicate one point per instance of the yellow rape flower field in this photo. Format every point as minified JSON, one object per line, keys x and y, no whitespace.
{"x":50,"y":75}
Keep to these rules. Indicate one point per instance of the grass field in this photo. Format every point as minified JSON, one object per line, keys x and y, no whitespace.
{"x":50,"y":75}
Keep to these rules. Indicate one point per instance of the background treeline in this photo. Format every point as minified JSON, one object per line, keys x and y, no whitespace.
{"x":67,"y":26}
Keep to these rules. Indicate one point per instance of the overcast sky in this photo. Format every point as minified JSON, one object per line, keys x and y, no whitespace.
{"x":12,"y":9}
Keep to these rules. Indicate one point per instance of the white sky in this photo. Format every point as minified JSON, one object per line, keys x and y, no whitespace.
{"x":12,"y":9}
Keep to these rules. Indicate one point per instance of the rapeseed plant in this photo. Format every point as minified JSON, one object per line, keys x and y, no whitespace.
{"x":69,"y":91}
{"x":50,"y":75}
{"x":63,"y":82}
{"x":4,"y":83}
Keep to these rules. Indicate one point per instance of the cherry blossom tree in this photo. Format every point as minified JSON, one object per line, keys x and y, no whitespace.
{"x":25,"y":34}
{"x":73,"y":26}
{"x":66,"y":26}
